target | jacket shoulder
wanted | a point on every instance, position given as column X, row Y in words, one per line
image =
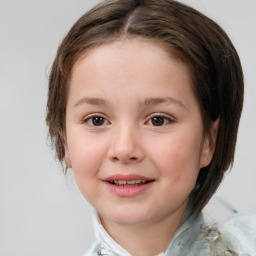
column 93, row 250
column 239, row 234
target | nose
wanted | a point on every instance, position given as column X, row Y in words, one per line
column 126, row 146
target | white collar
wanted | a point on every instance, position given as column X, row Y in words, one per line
column 107, row 246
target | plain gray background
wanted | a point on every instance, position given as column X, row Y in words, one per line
column 41, row 211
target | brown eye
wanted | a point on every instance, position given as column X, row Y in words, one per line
column 96, row 121
column 157, row 120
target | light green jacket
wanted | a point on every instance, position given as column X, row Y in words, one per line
column 236, row 236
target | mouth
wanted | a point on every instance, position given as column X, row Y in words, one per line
column 128, row 183
column 127, row 180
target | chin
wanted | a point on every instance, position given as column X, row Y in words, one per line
column 131, row 217
column 129, row 221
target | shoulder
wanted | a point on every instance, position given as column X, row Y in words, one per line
column 239, row 234
column 93, row 250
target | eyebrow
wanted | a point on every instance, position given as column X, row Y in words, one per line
column 147, row 102
column 156, row 101
column 92, row 101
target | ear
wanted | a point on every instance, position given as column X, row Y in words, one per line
column 209, row 144
column 67, row 155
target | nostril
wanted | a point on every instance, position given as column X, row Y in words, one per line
column 128, row 159
column 115, row 158
column 125, row 154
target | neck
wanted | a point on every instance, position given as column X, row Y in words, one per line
column 146, row 239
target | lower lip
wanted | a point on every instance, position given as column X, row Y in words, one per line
column 129, row 191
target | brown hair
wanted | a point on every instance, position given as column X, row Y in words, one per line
column 186, row 34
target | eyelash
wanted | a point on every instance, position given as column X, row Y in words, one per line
column 89, row 120
column 167, row 120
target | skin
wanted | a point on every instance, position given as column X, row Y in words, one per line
column 124, row 78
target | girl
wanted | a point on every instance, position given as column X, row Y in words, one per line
column 144, row 104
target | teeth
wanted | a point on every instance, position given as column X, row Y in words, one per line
column 128, row 182
column 131, row 182
column 120, row 182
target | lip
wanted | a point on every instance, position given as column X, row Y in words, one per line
column 127, row 177
column 130, row 191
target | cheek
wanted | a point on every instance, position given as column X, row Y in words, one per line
column 86, row 154
column 178, row 155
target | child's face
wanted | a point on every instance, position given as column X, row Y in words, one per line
column 132, row 116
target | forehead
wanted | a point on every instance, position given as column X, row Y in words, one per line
column 130, row 64
column 120, row 53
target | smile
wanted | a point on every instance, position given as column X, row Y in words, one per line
column 127, row 183
column 130, row 185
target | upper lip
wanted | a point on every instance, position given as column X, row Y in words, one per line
column 126, row 177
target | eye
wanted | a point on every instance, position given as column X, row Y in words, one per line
column 159, row 120
column 96, row 121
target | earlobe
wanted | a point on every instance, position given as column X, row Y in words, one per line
column 67, row 157
column 209, row 145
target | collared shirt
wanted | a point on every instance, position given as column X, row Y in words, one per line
column 236, row 236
